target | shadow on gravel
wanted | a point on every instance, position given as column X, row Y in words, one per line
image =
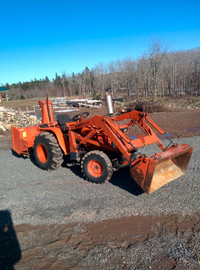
column 123, row 179
column 120, row 178
column 16, row 155
column 33, row 160
column 10, row 252
column 74, row 167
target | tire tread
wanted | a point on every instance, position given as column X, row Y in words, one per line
column 54, row 148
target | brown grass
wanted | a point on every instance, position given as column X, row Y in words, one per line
column 20, row 103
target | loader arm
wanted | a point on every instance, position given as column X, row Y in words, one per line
column 110, row 127
column 141, row 119
column 149, row 172
column 99, row 124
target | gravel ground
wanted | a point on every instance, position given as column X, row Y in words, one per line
column 147, row 255
column 57, row 220
column 34, row 196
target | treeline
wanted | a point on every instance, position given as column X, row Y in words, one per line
column 157, row 73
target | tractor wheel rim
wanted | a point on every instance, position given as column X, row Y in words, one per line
column 42, row 153
column 95, row 168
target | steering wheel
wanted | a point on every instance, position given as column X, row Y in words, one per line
column 80, row 116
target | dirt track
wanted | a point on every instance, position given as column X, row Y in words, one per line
column 167, row 242
column 59, row 221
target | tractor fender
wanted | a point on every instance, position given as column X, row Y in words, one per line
column 62, row 141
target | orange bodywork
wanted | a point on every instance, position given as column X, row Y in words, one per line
column 23, row 139
column 108, row 135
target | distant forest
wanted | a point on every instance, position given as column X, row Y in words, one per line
column 157, row 73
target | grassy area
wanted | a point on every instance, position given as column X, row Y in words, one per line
column 20, row 103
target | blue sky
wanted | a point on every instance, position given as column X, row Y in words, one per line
column 39, row 38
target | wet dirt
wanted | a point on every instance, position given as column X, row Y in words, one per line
column 180, row 124
column 141, row 242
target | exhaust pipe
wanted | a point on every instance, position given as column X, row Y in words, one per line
column 109, row 103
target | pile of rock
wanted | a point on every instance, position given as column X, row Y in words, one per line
column 10, row 117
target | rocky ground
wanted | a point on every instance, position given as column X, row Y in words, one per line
column 56, row 220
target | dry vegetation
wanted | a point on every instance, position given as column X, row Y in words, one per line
column 158, row 73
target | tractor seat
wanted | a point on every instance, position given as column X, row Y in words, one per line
column 62, row 119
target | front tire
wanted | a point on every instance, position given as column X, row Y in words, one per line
column 47, row 151
column 96, row 167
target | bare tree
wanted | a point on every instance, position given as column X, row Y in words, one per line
column 157, row 73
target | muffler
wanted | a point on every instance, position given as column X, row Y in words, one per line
column 156, row 171
column 109, row 103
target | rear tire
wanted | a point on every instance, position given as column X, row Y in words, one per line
column 47, row 151
column 96, row 167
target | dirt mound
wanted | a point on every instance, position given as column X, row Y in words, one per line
column 166, row 104
column 149, row 106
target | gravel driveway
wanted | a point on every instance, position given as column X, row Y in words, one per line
column 34, row 196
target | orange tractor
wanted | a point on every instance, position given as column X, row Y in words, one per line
column 100, row 144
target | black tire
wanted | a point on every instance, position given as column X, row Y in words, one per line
column 47, row 151
column 90, row 163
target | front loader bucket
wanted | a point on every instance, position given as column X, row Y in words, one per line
column 154, row 172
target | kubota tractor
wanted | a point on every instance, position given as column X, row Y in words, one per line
column 101, row 143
